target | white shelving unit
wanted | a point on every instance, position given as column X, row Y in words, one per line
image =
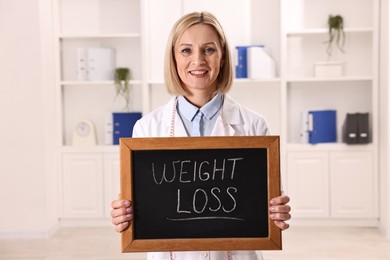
column 294, row 32
column 325, row 181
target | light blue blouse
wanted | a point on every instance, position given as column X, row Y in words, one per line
column 199, row 121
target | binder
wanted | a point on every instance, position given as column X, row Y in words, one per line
column 322, row 126
column 101, row 63
column 82, row 65
column 304, row 133
column 108, row 129
column 241, row 62
column 123, row 124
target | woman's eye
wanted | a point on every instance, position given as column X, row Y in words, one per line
column 186, row 51
column 209, row 50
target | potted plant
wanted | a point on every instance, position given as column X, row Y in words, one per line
column 336, row 36
column 336, row 33
column 123, row 122
column 122, row 85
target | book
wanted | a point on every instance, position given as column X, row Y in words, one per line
column 322, row 126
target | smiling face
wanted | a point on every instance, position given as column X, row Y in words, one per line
column 199, row 56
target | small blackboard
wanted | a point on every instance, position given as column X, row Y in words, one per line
column 200, row 193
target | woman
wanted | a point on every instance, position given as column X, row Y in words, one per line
column 198, row 72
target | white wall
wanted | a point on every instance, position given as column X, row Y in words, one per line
column 24, row 150
column 385, row 121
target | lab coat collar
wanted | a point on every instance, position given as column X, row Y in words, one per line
column 226, row 124
column 228, row 120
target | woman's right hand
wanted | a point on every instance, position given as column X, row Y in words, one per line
column 121, row 214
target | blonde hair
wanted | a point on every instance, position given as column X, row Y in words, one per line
column 172, row 79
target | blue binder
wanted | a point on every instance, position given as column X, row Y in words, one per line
column 123, row 124
column 322, row 126
column 241, row 63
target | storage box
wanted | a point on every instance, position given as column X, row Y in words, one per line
column 328, row 69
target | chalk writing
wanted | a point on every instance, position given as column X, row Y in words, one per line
column 211, row 200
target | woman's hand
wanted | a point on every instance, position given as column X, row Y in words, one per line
column 121, row 214
column 280, row 211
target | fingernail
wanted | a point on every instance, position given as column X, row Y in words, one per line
column 127, row 203
column 272, row 209
column 128, row 210
column 272, row 216
column 273, row 202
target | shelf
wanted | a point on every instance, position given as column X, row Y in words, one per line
column 339, row 79
column 328, row 147
column 94, row 83
column 246, row 81
column 235, row 81
column 90, row 149
column 100, row 36
column 305, row 32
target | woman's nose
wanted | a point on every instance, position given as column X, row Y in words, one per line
column 198, row 58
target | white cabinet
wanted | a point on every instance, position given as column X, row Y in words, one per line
column 111, row 180
column 353, row 185
column 90, row 183
column 332, row 185
column 308, row 184
column 82, row 186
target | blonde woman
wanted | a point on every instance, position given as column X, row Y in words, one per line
column 198, row 73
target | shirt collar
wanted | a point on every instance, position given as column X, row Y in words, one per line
column 188, row 110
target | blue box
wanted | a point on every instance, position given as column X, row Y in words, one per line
column 322, row 126
column 123, row 124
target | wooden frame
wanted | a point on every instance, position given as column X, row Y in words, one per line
column 271, row 143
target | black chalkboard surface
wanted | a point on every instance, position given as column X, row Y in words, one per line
column 200, row 193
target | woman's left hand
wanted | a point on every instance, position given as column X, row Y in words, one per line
column 279, row 211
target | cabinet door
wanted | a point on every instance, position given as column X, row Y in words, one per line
column 308, row 184
column 82, row 186
column 352, row 185
column 111, row 181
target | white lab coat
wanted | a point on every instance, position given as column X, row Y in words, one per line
column 234, row 120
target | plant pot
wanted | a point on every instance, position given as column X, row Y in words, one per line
column 328, row 69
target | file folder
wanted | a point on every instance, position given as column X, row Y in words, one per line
column 123, row 124
column 322, row 126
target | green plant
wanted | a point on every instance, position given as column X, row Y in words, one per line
column 122, row 85
column 336, row 33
